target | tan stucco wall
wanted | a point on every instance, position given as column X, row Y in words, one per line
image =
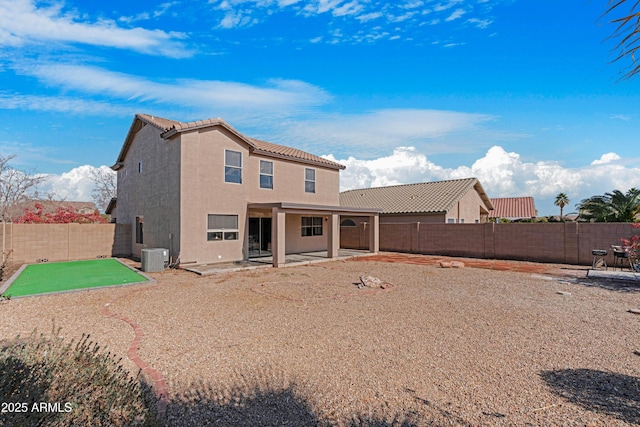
column 298, row 243
column 204, row 192
column 467, row 210
column 153, row 193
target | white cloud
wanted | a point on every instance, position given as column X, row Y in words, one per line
column 23, row 22
column 624, row 117
column 442, row 7
column 606, row 158
column 75, row 185
column 276, row 95
column 380, row 129
column 480, row 23
column 367, row 13
column 501, row 173
column 455, row 15
column 350, row 8
column 161, row 10
column 405, row 165
column 369, row 16
column 322, row 6
column 238, row 18
column 60, row 104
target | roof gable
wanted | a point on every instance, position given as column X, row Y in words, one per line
column 424, row 197
column 170, row 128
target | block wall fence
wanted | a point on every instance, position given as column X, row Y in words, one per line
column 564, row 243
column 29, row 243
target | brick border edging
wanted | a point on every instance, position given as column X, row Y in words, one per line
column 12, row 279
column 159, row 382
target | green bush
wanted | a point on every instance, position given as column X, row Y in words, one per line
column 47, row 382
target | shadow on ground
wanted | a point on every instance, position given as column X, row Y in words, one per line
column 609, row 393
column 610, row 284
column 206, row 405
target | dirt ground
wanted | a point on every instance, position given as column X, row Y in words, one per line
column 480, row 345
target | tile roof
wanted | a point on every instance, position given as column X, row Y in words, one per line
column 513, row 208
column 424, row 197
column 170, row 128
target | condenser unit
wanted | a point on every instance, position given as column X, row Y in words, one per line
column 154, row 260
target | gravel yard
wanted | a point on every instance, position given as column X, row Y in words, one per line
column 304, row 346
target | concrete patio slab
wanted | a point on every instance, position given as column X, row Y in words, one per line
column 267, row 261
column 615, row 275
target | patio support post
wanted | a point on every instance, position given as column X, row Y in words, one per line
column 333, row 238
column 278, row 247
column 374, row 234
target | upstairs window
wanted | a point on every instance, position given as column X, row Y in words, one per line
column 222, row 227
column 309, row 180
column 233, row 166
column 266, row 174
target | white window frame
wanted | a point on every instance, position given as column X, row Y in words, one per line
column 227, row 166
column 309, row 181
column 266, row 174
column 219, row 234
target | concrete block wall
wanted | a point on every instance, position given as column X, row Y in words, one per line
column 451, row 239
column 29, row 243
column 396, row 237
column 565, row 243
column 354, row 237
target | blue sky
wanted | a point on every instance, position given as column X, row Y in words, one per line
column 521, row 94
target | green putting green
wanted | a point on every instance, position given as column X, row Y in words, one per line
column 66, row 276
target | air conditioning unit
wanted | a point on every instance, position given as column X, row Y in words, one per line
column 154, row 260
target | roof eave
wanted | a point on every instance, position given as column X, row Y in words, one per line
column 267, row 153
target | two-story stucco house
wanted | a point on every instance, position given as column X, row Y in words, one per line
column 211, row 194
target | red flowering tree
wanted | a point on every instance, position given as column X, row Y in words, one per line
column 62, row 215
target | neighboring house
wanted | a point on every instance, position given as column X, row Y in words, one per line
column 454, row 201
column 513, row 208
column 210, row 194
column 50, row 206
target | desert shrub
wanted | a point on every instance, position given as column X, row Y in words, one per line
column 50, row 382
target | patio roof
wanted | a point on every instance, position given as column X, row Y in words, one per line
column 319, row 209
column 281, row 209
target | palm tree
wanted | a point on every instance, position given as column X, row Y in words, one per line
column 561, row 200
column 612, row 207
column 628, row 31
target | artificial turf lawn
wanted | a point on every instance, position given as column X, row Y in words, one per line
column 65, row 276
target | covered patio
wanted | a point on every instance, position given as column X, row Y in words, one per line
column 319, row 224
